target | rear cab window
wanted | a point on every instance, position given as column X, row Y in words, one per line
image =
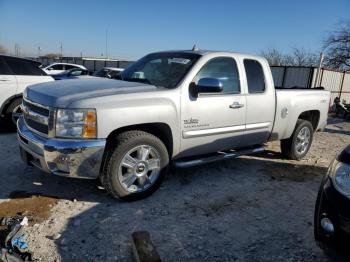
column 255, row 76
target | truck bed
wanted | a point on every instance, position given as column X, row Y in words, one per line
column 291, row 103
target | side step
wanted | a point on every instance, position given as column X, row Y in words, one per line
column 221, row 155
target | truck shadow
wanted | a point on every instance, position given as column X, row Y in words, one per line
column 225, row 208
column 208, row 195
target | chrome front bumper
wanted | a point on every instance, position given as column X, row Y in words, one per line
column 63, row 157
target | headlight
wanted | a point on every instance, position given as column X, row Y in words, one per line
column 76, row 123
column 340, row 174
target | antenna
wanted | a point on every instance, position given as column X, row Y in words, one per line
column 194, row 48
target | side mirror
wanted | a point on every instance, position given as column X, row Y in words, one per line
column 206, row 85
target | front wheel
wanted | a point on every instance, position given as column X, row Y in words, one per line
column 136, row 165
column 13, row 112
column 297, row 146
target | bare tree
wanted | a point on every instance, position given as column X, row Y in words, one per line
column 3, row 50
column 337, row 45
column 301, row 57
column 51, row 55
column 273, row 56
column 297, row 57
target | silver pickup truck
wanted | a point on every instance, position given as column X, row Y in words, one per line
column 188, row 107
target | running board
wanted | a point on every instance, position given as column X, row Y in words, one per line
column 222, row 155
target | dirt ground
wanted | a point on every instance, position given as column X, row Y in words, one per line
column 255, row 208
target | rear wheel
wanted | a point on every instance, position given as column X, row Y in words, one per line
column 297, row 146
column 136, row 165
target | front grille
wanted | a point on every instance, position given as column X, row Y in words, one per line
column 36, row 109
column 37, row 126
column 36, row 117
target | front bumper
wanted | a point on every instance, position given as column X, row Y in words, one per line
column 63, row 157
column 334, row 207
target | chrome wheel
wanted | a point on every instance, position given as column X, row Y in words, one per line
column 303, row 140
column 16, row 113
column 139, row 168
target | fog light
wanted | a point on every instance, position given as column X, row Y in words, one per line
column 327, row 225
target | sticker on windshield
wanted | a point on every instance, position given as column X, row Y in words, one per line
column 179, row 60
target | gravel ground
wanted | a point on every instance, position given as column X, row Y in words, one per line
column 255, row 208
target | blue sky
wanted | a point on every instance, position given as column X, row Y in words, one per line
column 138, row 27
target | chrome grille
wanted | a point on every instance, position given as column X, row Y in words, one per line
column 36, row 116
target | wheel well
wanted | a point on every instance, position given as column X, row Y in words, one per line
column 160, row 130
column 7, row 103
column 313, row 116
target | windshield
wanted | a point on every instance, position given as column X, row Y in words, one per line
column 160, row 69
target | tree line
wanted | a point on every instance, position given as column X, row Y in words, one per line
column 335, row 46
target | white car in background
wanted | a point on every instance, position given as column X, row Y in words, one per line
column 15, row 75
column 58, row 68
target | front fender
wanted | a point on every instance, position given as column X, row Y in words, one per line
column 142, row 111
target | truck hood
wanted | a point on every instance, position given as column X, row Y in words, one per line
column 64, row 92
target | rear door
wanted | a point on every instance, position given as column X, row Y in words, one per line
column 260, row 101
column 8, row 83
column 215, row 121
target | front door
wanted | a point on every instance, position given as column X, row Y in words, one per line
column 215, row 121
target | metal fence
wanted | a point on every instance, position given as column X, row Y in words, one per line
column 337, row 82
column 92, row 64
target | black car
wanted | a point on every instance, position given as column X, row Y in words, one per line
column 332, row 211
column 72, row 74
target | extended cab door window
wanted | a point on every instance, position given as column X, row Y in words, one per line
column 223, row 69
column 255, row 76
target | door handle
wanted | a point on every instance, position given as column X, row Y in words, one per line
column 4, row 80
column 236, row 105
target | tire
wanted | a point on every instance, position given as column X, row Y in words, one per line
column 11, row 110
column 290, row 147
column 148, row 168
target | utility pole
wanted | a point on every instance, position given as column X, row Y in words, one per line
column 61, row 48
column 39, row 51
column 17, row 50
column 319, row 68
column 106, row 44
